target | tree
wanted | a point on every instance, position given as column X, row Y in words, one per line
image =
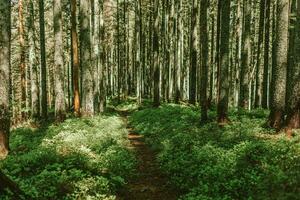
column 193, row 49
column 266, row 55
column 22, row 59
column 293, row 94
column 60, row 107
column 279, row 70
column 34, row 83
column 259, row 73
column 43, row 61
column 85, row 56
column 246, row 57
column 5, row 89
column 204, row 59
column 75, row 59
column 156, row 78
column 223, row 79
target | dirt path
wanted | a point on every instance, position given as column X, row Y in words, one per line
column 149, row 183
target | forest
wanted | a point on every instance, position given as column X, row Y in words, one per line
column 150, row 99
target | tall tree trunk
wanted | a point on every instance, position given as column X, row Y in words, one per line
column 60, row 107
column 293, row 81
column 22, row 60
column 5, row 87
column 204, row 58
column 75, row 59
column 265, row 83
column 156, row 78
column 246, row 56
column 259, row 70
column 223, row 79
column 86, row 65
column 279, row 71
column 35, row 92
column 193, row 48
column 43, row 62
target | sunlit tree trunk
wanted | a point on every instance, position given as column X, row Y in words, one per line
column 75, row 59
column 85, row 59
column 35, row 94
column 60, row 106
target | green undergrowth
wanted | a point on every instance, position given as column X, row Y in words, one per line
column 79, row 159
column 242, row 160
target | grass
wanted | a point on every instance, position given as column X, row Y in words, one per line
column 242, row 160
column 78, row 159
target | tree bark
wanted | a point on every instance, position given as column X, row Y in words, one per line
column 193, row 49
column 43, row 62
column 5, row 87
column 265, row 83
column 223, row 79
column 246, row 57
column 75, row 59
column 156, row 78
column 204, row 59
column 60, row 107
column 86, row 65
column 22, row 65
column 35, row 89
column 279, row 70
column 293, row 82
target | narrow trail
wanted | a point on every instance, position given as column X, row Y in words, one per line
column 148, row 183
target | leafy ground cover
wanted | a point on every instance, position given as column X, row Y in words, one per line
column 79, row 159
column 242, row 160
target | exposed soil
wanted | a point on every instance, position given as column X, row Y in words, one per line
column 148, row 183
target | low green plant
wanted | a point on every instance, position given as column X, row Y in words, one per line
column 83, row 158
column 242, row 160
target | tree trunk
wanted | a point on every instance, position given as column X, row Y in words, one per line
column 259, row 72
column 265, row 83
column 35, row 92
column 43, row 61
column 22, row 60
column 246, row 57
column 279, row 71
column 156, row 78
column 193, row 48
column 223, row 79
column 204, row 58
column 5, row 87
column 293, row 82
column 86, row 65
column 75, row 59
column 60, row 107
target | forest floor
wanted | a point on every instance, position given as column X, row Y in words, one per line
column 148, row 183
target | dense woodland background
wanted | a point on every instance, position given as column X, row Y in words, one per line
column 68, row 58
